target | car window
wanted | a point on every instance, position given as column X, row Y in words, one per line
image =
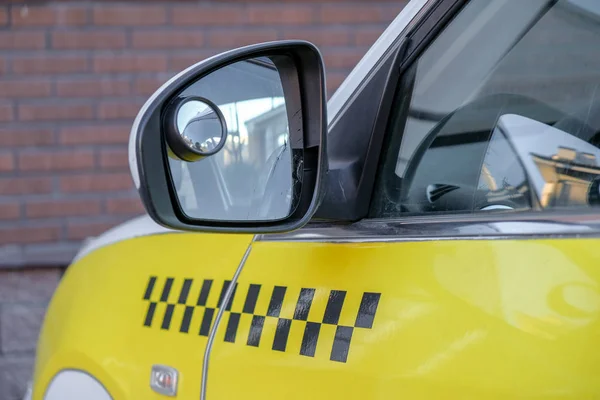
column 500, row 112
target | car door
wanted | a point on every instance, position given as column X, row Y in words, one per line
column 476, row 273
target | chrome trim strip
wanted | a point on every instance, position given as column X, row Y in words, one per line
column 457, row 227
column 215, row 327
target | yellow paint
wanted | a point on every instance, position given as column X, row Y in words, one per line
column 95, row 320
column 456, row 319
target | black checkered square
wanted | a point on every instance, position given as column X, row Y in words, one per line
column 189, row 309
column 343, row 335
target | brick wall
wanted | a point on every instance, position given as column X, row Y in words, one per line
column 73, row 75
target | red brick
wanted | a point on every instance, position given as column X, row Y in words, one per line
column 110, row 15
column 124, row 206
column 180, row 62
column 52, row 15
column 3, row 16
column 78, row 40
column 320, row 37
column 24, row 88
column 56, row 161
column 25, row 235
column 180, row 39
column 62, row 208
column 131, row 63
column 22, row 40
column 10, row 211
column 310, row 1
column 118, row 110
column 147, row 86
column 98, row 87
column 237, row 38
column 350, row 13
column 55, row 112
column 280, row 15
column 25, row 137
column 80, row 231
column 106, row 182
column 208, row 15
column 390, row 11
column 7, row 112
column 102, row 134
column 21, row 185
column 334, row 80
column 343, row 58
column 49, row 64
column 367, row 36
column 7, row 162
column 114, row 158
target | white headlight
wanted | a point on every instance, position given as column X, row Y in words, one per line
column 75, row 385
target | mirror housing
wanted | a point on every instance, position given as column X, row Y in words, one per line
column 157, row 145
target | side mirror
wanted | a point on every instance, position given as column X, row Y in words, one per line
column 235, row 143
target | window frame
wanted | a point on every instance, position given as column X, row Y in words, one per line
column 498, row 225
column 353, row 169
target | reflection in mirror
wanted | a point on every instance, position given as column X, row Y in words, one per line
column 252, row 177
column 194, row 128
column 200, row 126
column 555, row 168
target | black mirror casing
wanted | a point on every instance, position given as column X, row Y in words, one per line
column 302, row 73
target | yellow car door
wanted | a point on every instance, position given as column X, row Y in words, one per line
column 386, row 319
column 134, row 304
column 475, row 274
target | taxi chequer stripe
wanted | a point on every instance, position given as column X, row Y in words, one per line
column 365, row 316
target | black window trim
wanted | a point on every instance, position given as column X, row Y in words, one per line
column 351, row 179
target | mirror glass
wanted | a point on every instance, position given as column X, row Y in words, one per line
column 253, row 177
column 199, row 126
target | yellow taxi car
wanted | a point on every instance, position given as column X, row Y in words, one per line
column 428, row 233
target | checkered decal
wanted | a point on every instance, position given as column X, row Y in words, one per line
column 365, row 315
